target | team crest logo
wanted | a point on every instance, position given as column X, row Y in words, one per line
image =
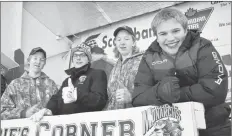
column 162, row 121
column 82, row 79
column 198, row 18
column 167, row 127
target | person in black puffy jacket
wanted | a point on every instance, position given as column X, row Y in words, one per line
column 181, row 66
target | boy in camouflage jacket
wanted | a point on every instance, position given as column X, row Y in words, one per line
column 29, row 93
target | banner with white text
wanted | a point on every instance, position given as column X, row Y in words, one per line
column 182, row 119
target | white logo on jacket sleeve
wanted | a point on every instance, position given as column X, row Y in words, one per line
column 220, row 68
column 159, row 62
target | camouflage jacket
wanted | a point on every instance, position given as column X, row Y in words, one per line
column 125, row 73
column 24, row 92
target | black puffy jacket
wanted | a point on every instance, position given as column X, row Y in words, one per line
column 202, row 74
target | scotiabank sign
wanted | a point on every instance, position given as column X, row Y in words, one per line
column 104, row 40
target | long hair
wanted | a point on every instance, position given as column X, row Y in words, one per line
column 135, row 49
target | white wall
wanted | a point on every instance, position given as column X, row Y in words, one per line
column 55, row 67
column 11, row 24
column 35, row 34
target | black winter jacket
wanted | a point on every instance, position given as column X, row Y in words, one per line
column 198, row 66
column 91, row 92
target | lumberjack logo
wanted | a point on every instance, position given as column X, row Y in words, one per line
column 198, row 18
column 162, row 121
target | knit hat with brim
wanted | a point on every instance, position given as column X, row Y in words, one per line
column 83, row 48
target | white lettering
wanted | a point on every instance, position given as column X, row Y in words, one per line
column 220, row 68
column 193, row 26
column 196, row 20
column 159, row 62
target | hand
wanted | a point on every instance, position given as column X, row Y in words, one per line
column 169, row 89
column 123, row 95
column 40, row 114
column 30, row 111
column 69, row 94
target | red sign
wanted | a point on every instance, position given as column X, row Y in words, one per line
column 198, row 18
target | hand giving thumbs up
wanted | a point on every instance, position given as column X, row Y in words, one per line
column 69, row 93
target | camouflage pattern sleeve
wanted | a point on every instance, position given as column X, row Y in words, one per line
column 51, row 90
column 54, row 88
column 9, row 109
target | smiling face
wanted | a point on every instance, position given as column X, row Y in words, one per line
column 124, row 43
column 79, row 59
column 170, row 36
column 37, row 62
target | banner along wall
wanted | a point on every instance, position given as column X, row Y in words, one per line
column 141, row 121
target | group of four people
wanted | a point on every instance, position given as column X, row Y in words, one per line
column 179, row 66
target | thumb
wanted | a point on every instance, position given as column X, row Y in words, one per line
column 121, row 85
column 75, row 93
column 70, row 83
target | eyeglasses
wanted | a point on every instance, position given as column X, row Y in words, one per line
column 82, row 55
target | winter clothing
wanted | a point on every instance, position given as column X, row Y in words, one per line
column 83, row 48
column 38, row 49
column 3, row 84
column 168, row 90
column 24, row 92
column 126, row 28
column 125, row 73
column 201, row 73
column 91, row 87
column 102, row 65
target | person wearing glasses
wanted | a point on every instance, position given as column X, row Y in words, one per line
column 29, row 93
column 85, row 90
column 182, row 66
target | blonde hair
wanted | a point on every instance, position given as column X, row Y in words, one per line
column 166, row 14
column 135, row 49
column 27, row 64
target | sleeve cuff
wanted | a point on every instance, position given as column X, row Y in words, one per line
column 23, row 113
column 183, row 94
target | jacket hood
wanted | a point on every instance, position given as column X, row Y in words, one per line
column 26, row 76
column 187, row 43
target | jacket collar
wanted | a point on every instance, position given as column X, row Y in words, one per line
column 132, row 56
column 76, row 72
column 187, row 43
column 26, row 75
